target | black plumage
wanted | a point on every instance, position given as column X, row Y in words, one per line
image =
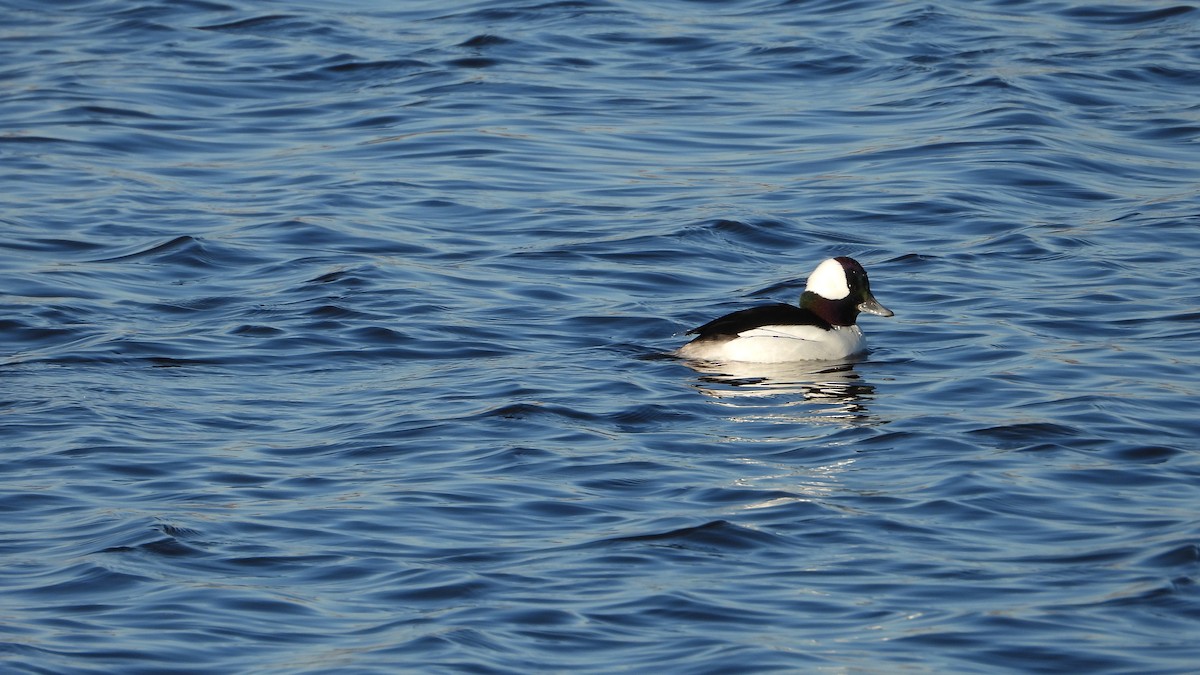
column 774, row 314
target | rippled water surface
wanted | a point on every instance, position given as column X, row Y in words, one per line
column 336, row 336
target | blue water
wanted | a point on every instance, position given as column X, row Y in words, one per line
column 335, row 336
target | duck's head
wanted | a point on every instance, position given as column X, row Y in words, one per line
column 838, row 290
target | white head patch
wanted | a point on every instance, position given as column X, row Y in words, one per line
column 829, row 281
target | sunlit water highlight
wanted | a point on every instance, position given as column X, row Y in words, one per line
column 336, row 337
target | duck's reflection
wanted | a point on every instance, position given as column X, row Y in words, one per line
column 801, row 391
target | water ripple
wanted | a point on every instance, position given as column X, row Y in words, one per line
column 339, row 340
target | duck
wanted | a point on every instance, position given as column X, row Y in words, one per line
column 822, row 328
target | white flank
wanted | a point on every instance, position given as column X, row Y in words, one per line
column 828, row 281
column 779, row 344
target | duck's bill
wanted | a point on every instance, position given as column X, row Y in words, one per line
column 872, row 306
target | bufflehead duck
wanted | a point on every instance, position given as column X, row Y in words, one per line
column 821, row 328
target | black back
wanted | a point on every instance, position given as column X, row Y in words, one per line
column 775, row 314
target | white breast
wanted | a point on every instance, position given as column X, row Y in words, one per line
column 778, row 344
